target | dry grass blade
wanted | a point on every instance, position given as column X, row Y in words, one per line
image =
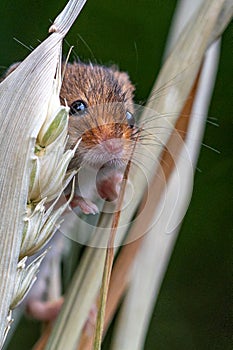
column 109, row 263
column 24, row 99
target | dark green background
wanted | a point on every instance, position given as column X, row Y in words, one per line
column 194, row 310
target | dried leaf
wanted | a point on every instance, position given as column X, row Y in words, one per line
column 24, row 102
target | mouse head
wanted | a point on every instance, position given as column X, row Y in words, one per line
column 101, row 113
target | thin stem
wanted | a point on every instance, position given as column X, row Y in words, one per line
column 109, row 262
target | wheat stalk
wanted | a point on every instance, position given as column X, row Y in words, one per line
column 33, row 133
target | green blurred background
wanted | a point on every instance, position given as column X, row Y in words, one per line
column 194, row 310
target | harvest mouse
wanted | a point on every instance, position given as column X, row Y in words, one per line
column 101, row 114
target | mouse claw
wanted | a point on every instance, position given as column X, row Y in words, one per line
column 85, row 205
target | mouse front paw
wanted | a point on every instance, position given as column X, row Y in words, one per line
column 86, row 206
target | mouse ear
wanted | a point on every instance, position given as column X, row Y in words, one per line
column 125, row 83
column 124, row 80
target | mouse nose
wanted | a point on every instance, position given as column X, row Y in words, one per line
column 113, row 146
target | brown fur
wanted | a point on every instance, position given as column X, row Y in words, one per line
column 108, row 95
column 95, row 85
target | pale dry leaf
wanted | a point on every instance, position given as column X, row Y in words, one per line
column 24, row 101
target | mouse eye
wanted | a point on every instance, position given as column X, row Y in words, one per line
column 78, row 108
column 130, row 119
